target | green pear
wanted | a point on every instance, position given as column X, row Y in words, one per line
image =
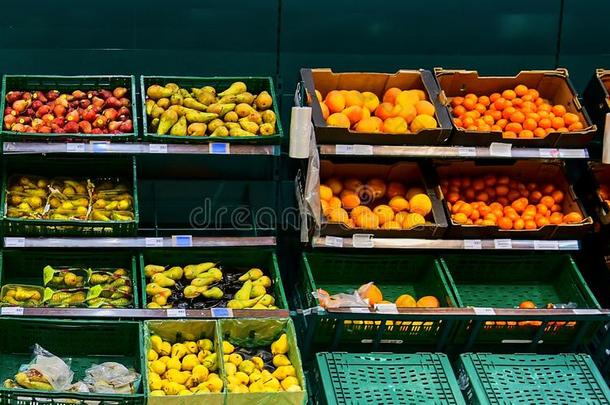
column 220, row 131
column 179, row 128
column 220, row 109
column 245, row 97
column 240, row 132
column 196, row 129
column 156, row 111
column 199, row 116
column 235, row 88
column 156, row 92
column 150, row 103
column 176, row 99
column 215, row 123
column 248, row 125
column 173, row 87
column 204, row 97
column 190, row 102
column 154, row 124
column 167, row 120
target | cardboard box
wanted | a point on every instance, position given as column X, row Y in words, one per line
column 598, row 174
column 407, row 173
column 525, row 171
column 596, row 97
column 553, row 85
column 324, row 80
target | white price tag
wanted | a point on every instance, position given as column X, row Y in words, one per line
column 569, row 245
column 11, row 311
column 344, row 149
column 176, row 313
column 484, row 311
column 100, row 146
column 157, row 148
column 386, row 308
column 75, row 147
column 222, row 312
column 503, row 243
column 473, row 244
column 363, row 240
column 467, row 151
column 333, row 241
column 586, row 311
column 153, row 242
column 360, row 310
column 573, row 153
column 14, row 242
column 217, row 148
column 548, row 153
column 182, row 240
column 546, row 245
column 500, row 149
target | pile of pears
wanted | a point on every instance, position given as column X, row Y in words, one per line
column 34, row 197
column 260, row 371
column 206, row 285
column 234, row 112
column 184, row 368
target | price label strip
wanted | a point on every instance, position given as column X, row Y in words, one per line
column 546, row 245
column 333, row 241
column 473, row 244
column 222, row 312
column 354, row 149
column 75, row 147
column 360, row 310
column 573, row 153
column 467, row 151
column 157, row 148
column 548, row 153
column 484, row 311
column 182, row 240
column 386, row 308
column 500, row 149
column 14, row 242
column 364, row 240
column 11, row 311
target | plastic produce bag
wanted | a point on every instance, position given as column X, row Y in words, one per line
column 45, row 372
column 111, row 378
column 339, row 300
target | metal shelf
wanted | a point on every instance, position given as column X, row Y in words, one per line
column 138, row 242
column 212, row 148
column 367, row 241
column 143, row 313
column 498, row 150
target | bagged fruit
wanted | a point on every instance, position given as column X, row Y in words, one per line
column 65, row 278
column 114, row 297
column 111, row 378
column 21, row 295
column 46, row 372
column 75, row 297
column 106, row 215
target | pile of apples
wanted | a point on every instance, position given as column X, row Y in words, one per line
column 91, row 112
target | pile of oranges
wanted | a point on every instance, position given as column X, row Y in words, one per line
column 374, row 204
column 604, row 193
column 400, row 112
column 504, row 202
column 518, row 113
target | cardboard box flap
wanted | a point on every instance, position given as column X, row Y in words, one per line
column 407, row 173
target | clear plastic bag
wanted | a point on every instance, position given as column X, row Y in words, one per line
column 111, row 378
column 339, row 300
column 53, row 369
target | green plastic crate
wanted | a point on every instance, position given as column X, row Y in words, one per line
column 260, row 333
column 532, row 379
column 504, row 281
column 85, row 342
column 263, row 258
column 386, row 378
column 107, row 167
column 180, row 330
column 68, row 83
column 19, row 268
column 417, row 275
column 254, row 84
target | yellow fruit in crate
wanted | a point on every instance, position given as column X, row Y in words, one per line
column 422, row 121
column 414, row 191
column 174, row 364
column 420, row 204
column 164, row 359
column 258, row 362
column 428, row 301
column 157, row 393
column 155, row 343
column 152, row 355
column 281, row 360
column 413, row 220
column 227, row 347
column 326, row 193
column 384, row 213
column 200, row 373
column 205, row 344
column 284, row 371
column 236, row 358
column 191, row 347
column 406, row 301
column 242, row 377
column 335, row 185
column 246, row 366
column 230, row 368
column 189, row 362
column 280, row 346
column 157, row 366
column 289, row 381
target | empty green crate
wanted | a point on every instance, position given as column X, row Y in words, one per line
column 85, row 342
column 504, row 281
column 386, row 378
column 531, row 379
column 254, row 84
column 68, row 84
column 19, row 268
column 245, row 258
column 92, row 168
column 416, row 275
column 260, row 333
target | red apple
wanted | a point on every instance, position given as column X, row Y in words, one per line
column 36, row 104
column 84, row 103
column 39, row 95
column 98, row 102
column 85, row 127
column 100, row 122
column 111, row 113
column 73, row 116
column 44, row 109
column 125, row 102
column 44, row 129
column 48, row 118
column 119, row 92
column 26, row 95
column 79, row 94
column 30, row 112
column 9, row 121
column 62, row 101
column 91, row 94
column 114, row 125
column 90, row 115
column 96, row 131
column 13, row 96
column 59, row 121
column 74, row 104
column 52, row 95
column 105, row 94
column 24, row 120
column 113, row 102
column 59, row 130
column 28, row 128
column 126, row 126
column 71, row 127
column 18, row 127
column 59, row 110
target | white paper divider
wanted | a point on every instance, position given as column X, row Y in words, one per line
column 573, row 153
column 548, row 153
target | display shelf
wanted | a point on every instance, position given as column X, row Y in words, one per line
column 367, row 241
column 497, row 150
column 178, row 241
column 96, row 147
column 144, row 313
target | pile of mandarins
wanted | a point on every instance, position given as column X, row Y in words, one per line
column 604, row 193
column 518, row 113
column 505, row 202
column 374, row 204
column 401, row 111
